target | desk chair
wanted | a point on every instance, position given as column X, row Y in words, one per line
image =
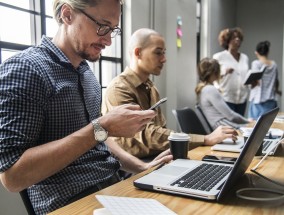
column 188, row 121
column 203, row 119
column 25, row 197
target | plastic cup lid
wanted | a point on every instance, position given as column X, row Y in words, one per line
column 178, row 136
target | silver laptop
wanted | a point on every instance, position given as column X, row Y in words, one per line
column 268, row 143
column 206, row 180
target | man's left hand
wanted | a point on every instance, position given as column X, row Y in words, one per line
column 163, row 157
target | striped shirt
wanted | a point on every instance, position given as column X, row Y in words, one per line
column 44, row 98
column 266, row 90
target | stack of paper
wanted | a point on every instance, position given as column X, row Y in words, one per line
column 138, row 206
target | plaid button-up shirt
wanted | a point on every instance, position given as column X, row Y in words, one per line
column 44, row 98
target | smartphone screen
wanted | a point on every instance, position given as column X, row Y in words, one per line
column 219, row 159
column 158, row 103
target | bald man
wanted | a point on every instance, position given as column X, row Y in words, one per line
column 147, row 57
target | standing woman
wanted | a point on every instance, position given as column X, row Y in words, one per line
column 263, row 92
column 234, row 66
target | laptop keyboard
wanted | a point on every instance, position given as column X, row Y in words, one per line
column 203, row 177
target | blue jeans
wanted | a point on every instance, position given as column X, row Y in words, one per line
column 238, row 108
column 256, row 110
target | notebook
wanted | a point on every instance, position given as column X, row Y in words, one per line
column 229, row 146
column 253, row 75
column 186, row 177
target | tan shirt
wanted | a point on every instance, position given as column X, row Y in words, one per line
column 128, row 88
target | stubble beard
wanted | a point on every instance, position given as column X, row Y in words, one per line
column 82, row 53
column 88, row 57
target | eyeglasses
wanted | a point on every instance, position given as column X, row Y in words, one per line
column 103, row 29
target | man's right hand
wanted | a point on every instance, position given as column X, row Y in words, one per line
column 126, row 120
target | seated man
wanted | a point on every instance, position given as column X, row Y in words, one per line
column 52, row 135
column 147, row 57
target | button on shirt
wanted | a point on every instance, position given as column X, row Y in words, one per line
column 44, row 98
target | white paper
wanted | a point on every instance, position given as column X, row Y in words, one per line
column 133, row 206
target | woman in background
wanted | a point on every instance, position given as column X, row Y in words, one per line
column 263, row 92
column 234, row 67
column 210, row 99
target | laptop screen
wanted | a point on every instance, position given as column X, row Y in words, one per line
column 251, row 146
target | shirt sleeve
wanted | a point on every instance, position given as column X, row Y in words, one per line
column 196, row 140
column 21, row 109
column 216, row 99
column 256, row 65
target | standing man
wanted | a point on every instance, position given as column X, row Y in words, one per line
column 52, row 135
column 147, row 57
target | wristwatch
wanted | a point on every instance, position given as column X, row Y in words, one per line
column 100, row 133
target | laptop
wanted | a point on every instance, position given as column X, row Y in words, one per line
column 269, row 142
column 186, row 177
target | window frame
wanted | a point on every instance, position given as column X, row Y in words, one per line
column 38, row 15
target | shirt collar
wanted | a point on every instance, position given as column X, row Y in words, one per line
column 47, row 43
column 133, row 78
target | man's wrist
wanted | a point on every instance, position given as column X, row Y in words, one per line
column 206, row 140
column 99, row 132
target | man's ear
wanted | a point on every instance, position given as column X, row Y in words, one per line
column 137, row 52
column 66, row 14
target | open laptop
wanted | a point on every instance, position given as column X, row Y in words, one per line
column 269, row 142
column 186, row 177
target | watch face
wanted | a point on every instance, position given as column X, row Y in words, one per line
column 101, row 135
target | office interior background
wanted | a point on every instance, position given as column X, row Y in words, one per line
column 202, row 21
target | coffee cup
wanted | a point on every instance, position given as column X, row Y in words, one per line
column 179, row 145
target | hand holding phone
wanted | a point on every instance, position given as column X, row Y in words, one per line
column 158, row 103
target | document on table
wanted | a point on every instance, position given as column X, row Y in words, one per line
column 138, row 206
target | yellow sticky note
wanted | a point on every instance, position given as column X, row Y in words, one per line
column 178, row 42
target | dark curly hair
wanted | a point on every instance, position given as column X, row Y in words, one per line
column 228, row 34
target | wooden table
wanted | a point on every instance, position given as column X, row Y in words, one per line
column 272, row 167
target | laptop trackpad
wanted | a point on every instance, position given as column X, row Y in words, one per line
column 171, row 170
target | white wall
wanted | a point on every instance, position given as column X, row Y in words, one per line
column 216, row 15
column 178, row 78
column 260, row 20
column 11, row 203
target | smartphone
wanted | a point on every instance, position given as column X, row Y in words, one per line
column 219, row 159
column 158, row 103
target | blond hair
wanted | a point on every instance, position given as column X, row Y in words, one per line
column 75, row 4
column 206, row 68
